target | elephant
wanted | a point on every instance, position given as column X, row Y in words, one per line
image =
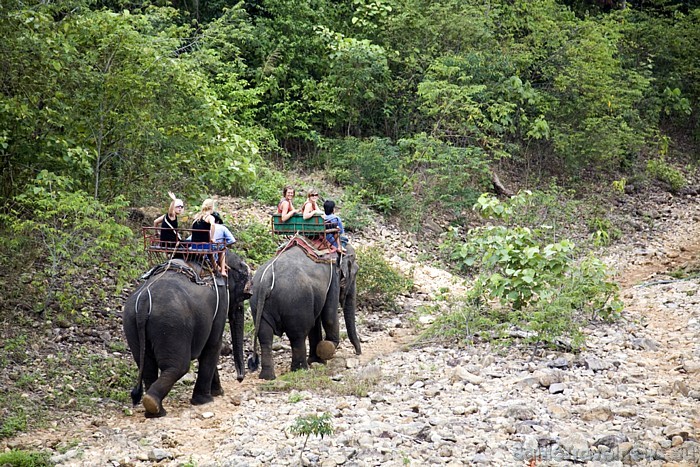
column 297, row 296
column 171, row 320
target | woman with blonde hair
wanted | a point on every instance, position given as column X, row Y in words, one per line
column 166, row 224
column 203, row 231
column 310, row 207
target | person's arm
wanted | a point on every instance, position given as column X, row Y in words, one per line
column 287, row 211
column 212, row 227
column 228, row 236
column 341, row 230
column 308, row 211
column 156, row 223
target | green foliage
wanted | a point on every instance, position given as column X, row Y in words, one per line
column 313, row 425
column 114, row 102
column 519, row 269
column 464, row 321
column 355, row 214
column 254, row 242
column 378, row 282
column 13, row 350
column 20, row 458
column 603, row 231
column 14, row 421
column 374, row 168
column 318, row 378
column 666, row 173
column 446, row 177
column 267, row 187
column 58, row 234
column 619, row 185
column 81, row 378
column 540, row 287
column 662, row 43
column 356, row 82
column 308, row 425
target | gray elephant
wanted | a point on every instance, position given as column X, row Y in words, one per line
column 297, row 296
column 172, row 319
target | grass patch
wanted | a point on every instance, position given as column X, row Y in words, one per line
column 321, row 378
column 79, row 379
column 18, row 458
column 689, row 271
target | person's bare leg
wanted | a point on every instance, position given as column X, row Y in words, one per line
column 222, row 263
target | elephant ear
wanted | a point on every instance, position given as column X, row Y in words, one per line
column 239, row 275
column 348, row 269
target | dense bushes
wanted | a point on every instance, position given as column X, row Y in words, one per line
column 525, row 284
column 58, row 240
column 378, row 283
column 410, row 103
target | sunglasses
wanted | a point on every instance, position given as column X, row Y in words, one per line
column 313, row 194
column 179, row 207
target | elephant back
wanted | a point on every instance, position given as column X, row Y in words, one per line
column 315, row 252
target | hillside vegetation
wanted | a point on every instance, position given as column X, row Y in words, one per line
column 410, row 109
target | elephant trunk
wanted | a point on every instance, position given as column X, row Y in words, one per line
column 349, row 309
column 236, row 321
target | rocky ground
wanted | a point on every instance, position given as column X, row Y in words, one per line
column 631, row 397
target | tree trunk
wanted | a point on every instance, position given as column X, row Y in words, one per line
column 501, row 190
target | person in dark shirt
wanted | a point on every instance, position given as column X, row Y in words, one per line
column 167, row 223
column 204, row 231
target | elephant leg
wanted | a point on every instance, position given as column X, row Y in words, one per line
column 265, row 336
column 153, row 400
column 150, row 369
column 216, row 389
column 331, row 323
column 298, row 353
column 205, row 375
column 315, row 336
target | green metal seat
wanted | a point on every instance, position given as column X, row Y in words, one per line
column 298, row 225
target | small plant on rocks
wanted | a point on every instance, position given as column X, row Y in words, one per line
column 307, row 425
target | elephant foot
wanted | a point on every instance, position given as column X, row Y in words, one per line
column 315, row 359
column 153, row 408
column 201, row 399
column 217, row 392
column 267, row 374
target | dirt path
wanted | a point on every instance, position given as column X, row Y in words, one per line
column 202, row 429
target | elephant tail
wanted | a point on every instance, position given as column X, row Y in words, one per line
column 141, row 318
column 262, row 292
